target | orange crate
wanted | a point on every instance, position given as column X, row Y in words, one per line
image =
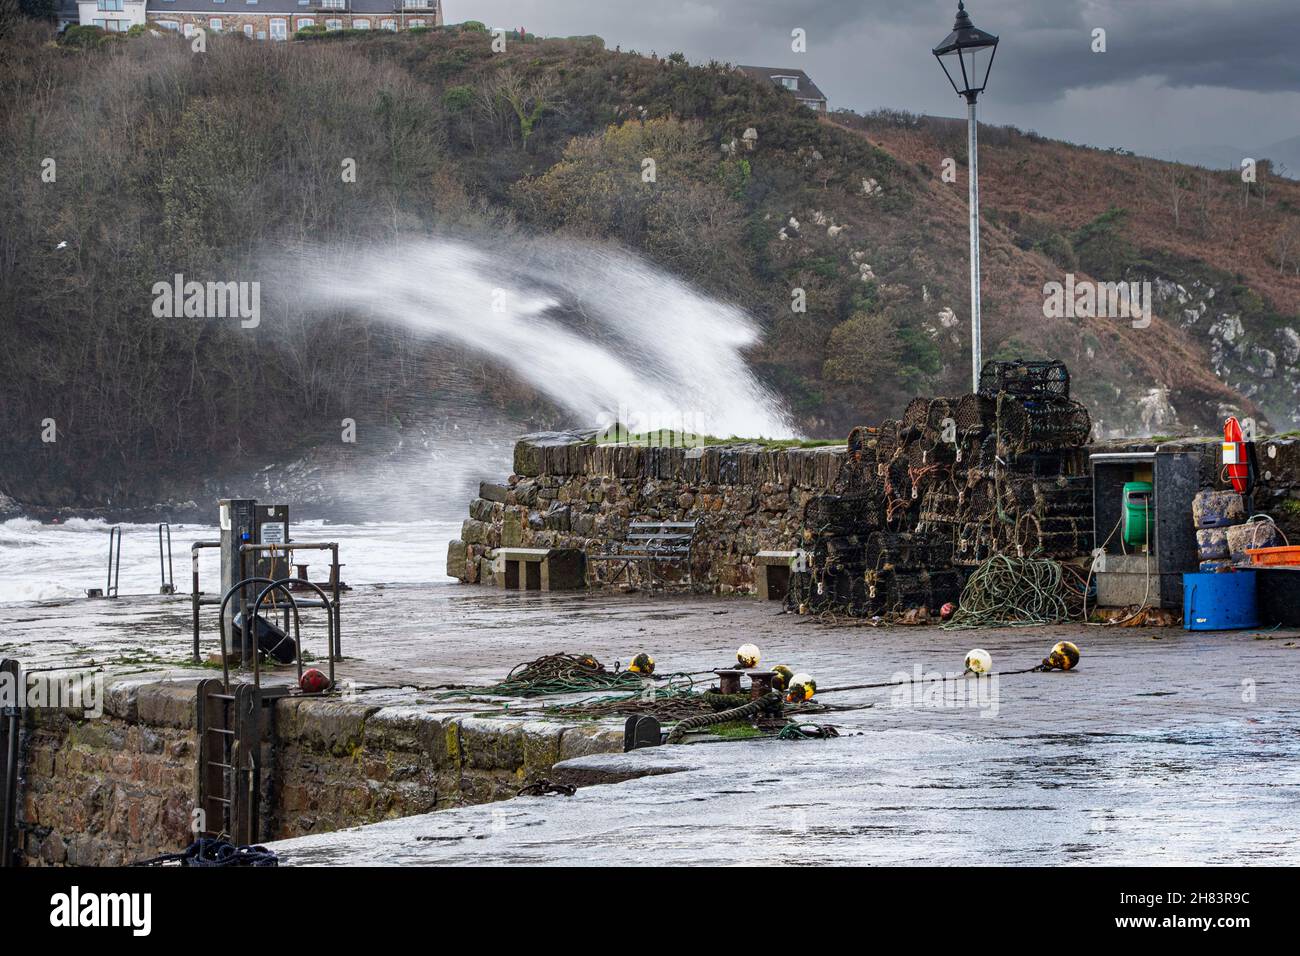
column 1287, row 555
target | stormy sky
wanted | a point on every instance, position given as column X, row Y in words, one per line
column 1197, row 80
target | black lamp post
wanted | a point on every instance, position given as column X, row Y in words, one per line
column 966, row 56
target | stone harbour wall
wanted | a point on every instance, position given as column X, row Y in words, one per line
column 567, row 492
column 106, row 790
column 116, row 788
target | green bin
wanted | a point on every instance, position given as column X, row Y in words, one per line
column 1137, row 508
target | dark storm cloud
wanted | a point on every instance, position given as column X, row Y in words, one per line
column 1175, row 71
column 1186, row 43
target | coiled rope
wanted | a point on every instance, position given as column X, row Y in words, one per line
column 559, row 674
column 752, row 709
column 1008, row 591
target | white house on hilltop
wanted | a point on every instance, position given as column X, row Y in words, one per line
column 796, row 81
column 259, row 19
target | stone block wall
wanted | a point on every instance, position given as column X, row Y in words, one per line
column 108, row 790
column 568, row 492
column 341, row 764
column 113, row 789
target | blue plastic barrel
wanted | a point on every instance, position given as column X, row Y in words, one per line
column 1219, row 602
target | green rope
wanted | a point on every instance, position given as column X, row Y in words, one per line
column 558, row 674
column 1007, row 591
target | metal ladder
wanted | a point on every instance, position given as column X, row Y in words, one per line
column 233, row 722
column 236, row 720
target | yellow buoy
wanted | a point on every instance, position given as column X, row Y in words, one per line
column 781, row 677
column 802, row 688
column 1064, row 657
column 642, row 664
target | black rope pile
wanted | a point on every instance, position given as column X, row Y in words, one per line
column 798, row 731
column 555, row 674
column 542, row 787
column 211, row 851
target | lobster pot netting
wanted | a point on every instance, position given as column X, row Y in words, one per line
column 1040, row 424
column 1025, row 379
column 842, row 514
column 911, row 550
column 862, row 444
column 953, row 482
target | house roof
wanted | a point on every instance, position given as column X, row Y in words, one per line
column 807, row 88
column 303, row 7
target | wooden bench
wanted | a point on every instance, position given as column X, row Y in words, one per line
column 651, row 543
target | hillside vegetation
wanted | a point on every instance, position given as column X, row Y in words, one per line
column 174, row 162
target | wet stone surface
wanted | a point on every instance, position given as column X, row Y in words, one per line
column 1165, row 746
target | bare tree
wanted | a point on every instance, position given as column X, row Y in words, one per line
column 526, row 99
column 1175, row 185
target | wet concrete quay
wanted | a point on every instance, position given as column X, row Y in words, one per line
column 1165, row 746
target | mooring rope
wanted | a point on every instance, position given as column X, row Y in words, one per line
column 562, row 674
column 752, row 709
column 210, row 851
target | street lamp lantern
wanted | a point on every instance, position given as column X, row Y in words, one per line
column 966, row 56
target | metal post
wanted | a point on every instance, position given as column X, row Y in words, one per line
column 194, row 598
column 972, row 164
column 12, row 717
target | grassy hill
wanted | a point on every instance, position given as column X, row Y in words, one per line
column 174, row 162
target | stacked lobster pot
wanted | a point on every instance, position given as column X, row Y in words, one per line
column 956, row 480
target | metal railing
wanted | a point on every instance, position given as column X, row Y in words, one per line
column 165, row 571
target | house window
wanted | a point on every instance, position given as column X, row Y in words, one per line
column 189, row 29
column 789, row 82
column 332, row 4
column 416, row 23
column 416, row 4
column 248, row 30
column 279, row 28
column 388, row 24
column 333, row 24
column 304, row 22
column 169, row 24
column 113, row 26
column 109, row 5
column 362, row 24
column 214, row 24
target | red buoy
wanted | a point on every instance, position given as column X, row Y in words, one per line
column 313, row 681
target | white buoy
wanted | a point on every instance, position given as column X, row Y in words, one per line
column 748, row 655
column 979, row 661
